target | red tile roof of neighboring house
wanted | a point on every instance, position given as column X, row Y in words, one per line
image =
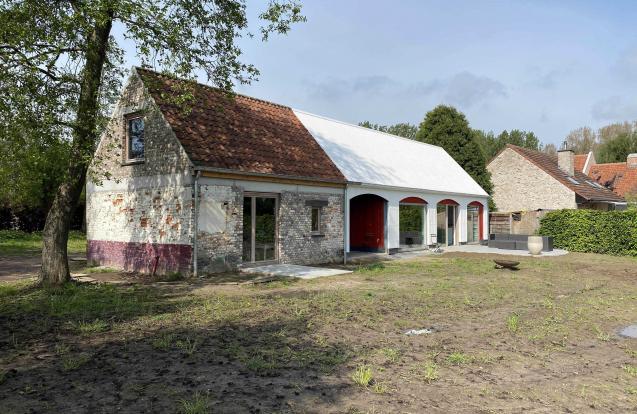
column 616, row 176
column 581, row 186
column 580, row 162
column 240, row 134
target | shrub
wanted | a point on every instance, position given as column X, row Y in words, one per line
column 606, row 232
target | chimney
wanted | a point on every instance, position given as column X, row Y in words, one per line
column 566, row 160
column 631, row 161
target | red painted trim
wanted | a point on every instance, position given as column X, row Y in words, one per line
column 140, row 257
column 448, row 201
column 480, row 218
column 413, row 200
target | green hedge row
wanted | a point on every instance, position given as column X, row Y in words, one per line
column 607, row 232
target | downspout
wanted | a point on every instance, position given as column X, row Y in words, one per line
column 195, row 250
column 345, row 215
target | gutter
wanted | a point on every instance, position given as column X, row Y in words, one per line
column 195, row 253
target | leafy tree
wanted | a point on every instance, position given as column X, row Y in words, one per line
column 491, row 145
column 618, row 148
column 445, row 126
column 582, row 140
column 60, row 64
column 612, row 131
column 550, row 149
column 402, row 129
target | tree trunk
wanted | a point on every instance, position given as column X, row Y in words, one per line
column 55, row 265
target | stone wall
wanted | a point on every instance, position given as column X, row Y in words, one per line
column 220, row 233
column 519, row 185
column 297, row 244
column 140, row 214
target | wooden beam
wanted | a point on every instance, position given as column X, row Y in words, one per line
column 278, row 180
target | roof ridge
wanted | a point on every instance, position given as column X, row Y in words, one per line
column 212, row 87
column 365, row 128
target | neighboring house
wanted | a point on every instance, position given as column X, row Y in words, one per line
column 527, row 180
column 584, row 162
column 233, row 182
column 620, row 177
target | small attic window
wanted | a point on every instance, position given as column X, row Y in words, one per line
column 135, row 138
column 573, row 180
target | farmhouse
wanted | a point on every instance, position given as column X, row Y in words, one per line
column 219, row 182
column 528, row 180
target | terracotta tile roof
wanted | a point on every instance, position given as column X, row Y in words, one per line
column 580, row 161
column 616, row 176
column 244, row 135
column 581, row 187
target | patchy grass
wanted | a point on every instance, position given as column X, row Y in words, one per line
column 501, row 341
column 19, row 243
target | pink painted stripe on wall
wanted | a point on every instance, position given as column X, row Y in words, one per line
column 140, row 257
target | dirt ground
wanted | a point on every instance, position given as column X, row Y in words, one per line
column 540, row 339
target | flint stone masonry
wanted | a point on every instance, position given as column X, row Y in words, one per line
column 519, row 185
column 297, row 244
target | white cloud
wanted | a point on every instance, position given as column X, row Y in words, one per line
column 614, row 108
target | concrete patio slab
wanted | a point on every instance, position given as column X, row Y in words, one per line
column 288, row 270
column 476, row 248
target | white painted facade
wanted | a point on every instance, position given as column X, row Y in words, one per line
column 395, row 195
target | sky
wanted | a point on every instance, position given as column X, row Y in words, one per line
column 542, row 66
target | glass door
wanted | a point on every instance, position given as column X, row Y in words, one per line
column 259, row 228
column 441, row 228
column 451, row 225
column 472, row 224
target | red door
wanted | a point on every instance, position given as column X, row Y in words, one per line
column 367, row 223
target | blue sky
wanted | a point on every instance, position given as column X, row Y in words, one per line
column 543, row 66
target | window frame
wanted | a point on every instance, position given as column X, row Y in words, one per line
column 127, row 138
column 318, row 220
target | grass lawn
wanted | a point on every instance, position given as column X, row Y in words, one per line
column 542, row 339
column 18, row 243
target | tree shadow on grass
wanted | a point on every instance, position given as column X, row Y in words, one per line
column 271, row 363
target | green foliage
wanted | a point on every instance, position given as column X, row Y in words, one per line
column 445, row 126
column 606, row 232
column 403, row 129
column 618, row 148
column 491, row 145
column 410, row 218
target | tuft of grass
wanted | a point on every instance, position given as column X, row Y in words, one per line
column 198, row 404
column 362, row 376
column 71, row 363
column 100, row 269
column 601, row 335
column 62, row 349
column 3, row 376
column 391, row 354
column 96, row 326
column 630, row 370
column 188, row 345
column 513, row 322
column 379, row 388
column 261, row 365
column 164, row 342
column 430, row 372
column 458, row 358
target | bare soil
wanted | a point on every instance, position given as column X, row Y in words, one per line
column 540, row 339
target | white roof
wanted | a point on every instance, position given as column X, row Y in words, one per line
column 368, row 156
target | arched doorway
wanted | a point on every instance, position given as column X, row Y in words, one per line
column 475, row 211
column 367, row 223
column 447, row 220
column 411, row 222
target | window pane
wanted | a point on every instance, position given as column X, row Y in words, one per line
column 315, row 219
column 135, row 138
column 247, row 229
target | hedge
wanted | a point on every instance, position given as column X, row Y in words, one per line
column 606, row 232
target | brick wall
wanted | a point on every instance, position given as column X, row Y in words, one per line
column 138, row 212
column 518, row 185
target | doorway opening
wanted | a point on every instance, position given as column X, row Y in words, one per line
column 367, row 223
column 411, row 223
column 474, row 222
column 447, row 211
